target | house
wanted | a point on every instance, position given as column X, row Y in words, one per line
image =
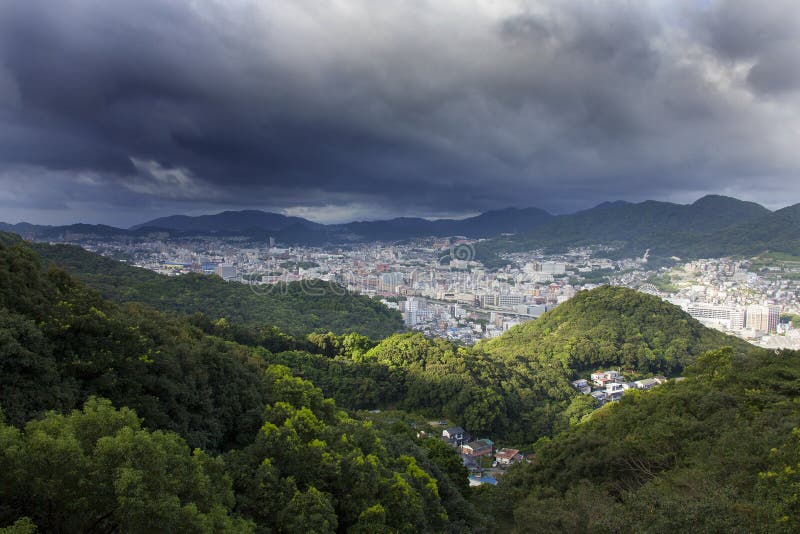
column 614, row 391
column 480, row 447
column 601, row 378
column 647, row 383
column 582, row 385
column 599, row 396
column 507, row 456
column 455, row 435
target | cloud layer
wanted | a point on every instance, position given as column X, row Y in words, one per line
column 116, row 111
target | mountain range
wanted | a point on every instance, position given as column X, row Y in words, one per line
column 297, row 230
column 712, row 226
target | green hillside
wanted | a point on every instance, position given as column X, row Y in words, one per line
column 612, row 326
column 516, row 387
column 718, row 452
column 123, row 418
column 777, row 232
column 295, row 308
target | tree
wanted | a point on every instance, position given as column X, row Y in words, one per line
column 309, row 511
column 97, row 470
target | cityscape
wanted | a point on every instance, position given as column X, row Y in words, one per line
column 443, row 291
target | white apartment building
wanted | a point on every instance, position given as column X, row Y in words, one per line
column 731, row 317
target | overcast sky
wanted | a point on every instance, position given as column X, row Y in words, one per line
column 120, row 111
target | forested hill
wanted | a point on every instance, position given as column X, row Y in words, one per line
column 778, row 231
column 612, row 326
column 711, row 227
column 295, row 308
column 150, row 458
column 717, row 452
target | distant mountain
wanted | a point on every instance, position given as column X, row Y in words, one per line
column 492, row 223
column 712, row 226
column 777, row 231
column 612, row 204
column 59, row 232
column 298, row 230
column 227, row 221
column 663, row 227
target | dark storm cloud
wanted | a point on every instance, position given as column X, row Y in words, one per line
column 766, row 34
column 113, row 110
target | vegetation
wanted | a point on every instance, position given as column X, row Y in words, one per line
column 794, row 319
column 777, row 233
column 296, row 308
column 278, row 455
column 516, row 387
column 612, row 326
column 292, row 265
column 716, row 452
column 598, row 276
column 711, row 227
column 663, row 282
column 98, row 470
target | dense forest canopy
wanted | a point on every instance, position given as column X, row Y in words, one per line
column 718, row 452
column 278, row 456
column 612, row 326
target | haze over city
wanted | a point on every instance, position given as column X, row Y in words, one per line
column 119, row 112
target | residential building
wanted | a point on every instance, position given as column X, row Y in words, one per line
column 647, row 383
column 763, row 318
column 601, row 378
column 455, row 435
column 480, row 447
column 507, row 456
column 582, row 385
column 226, row 271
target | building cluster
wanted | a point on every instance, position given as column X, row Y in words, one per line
column 442, row 289
column 473, row 450
column 743, row 298
column 437, row 284
column 757, row 318
column 610, row 386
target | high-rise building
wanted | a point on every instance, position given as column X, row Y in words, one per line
column 226, row 271
column 415, row 310
column 549, row 267
column 731, row 317
column 488, row 300
column 508, row 301
column 763, row 318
